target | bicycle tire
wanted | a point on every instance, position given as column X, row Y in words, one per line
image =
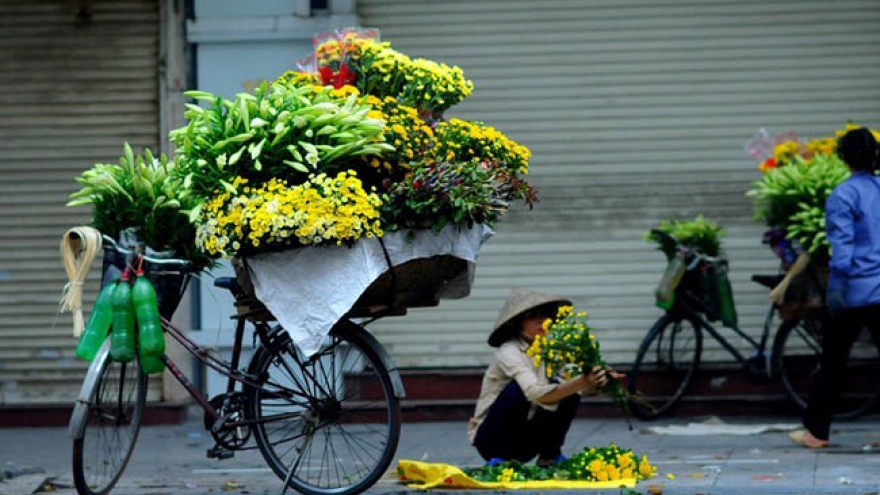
column 350, row 415
column 667, row 360
column 796, row 351
column 102, row 449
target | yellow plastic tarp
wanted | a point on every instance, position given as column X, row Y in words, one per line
column 424, row 475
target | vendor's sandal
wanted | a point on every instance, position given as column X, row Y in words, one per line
column 806, row 439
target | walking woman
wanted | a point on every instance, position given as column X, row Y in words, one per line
column 852, row 217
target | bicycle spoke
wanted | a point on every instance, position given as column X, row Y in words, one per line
column 112, row 422
column 665, row 365
column 341, row 436
column 797, row 352
column 355, row 440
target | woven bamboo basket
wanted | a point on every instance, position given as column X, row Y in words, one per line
column 805, row 296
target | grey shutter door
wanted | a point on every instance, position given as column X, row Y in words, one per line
column 75, row 85
column 635, row 112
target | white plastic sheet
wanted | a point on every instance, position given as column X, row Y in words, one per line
column 309, row 289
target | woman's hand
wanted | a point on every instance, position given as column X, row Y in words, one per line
column 599, row 377
column 584, row 384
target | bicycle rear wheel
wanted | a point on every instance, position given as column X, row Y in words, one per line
column 329, row 423
column 796, row 352
column 666, row 363
column 110, row 422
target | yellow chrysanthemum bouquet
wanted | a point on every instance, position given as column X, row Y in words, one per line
column 321, row 210
column 568, row 348
column 405, row 130
column 420, row 83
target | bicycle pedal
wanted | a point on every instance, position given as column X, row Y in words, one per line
column 218, row 452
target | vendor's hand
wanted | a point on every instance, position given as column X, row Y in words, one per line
column 600, row 376
column 777, row 295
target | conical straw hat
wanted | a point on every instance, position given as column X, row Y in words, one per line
column 518, row 302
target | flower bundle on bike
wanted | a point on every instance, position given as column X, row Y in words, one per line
column 685, row 242
column 359, row 138
column 352, row 146
column 797, row 178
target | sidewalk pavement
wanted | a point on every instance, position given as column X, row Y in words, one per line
column 171, row 459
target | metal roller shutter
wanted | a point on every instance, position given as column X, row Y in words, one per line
column 75, row 85
column 635, row 111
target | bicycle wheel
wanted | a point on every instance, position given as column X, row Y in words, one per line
column 329, row 423
column 796, row 352
column 665, row 365
column 111, row 419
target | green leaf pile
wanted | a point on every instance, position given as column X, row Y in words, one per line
column 793, row 197
column 700, row 234
column 141, row 191
column 279, row 131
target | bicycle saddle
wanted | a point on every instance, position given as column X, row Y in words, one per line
column 769, row 281
column 228, row 283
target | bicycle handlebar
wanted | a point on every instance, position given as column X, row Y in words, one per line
column 156, row 261
column 696, row 255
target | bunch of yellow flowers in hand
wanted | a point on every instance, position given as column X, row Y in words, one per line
column 569, row 349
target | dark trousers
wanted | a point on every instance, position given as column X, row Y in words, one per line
column 507, row 433
column 838, row 336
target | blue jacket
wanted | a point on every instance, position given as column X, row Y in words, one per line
column 852, row 218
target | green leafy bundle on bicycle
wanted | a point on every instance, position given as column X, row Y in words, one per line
column 684, row 242
column 698, row 234
column 797, row 178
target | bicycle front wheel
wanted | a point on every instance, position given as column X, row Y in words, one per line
column 328, row 423
column 111, row 419
column 796, row 352
column 666, row 363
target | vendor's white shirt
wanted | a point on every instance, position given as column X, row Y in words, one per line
column 511, row 363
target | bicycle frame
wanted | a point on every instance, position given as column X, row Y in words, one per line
column 687, row 305
column 230, row 370
column 280, row 385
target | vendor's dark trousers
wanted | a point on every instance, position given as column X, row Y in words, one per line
column 508, row 433
column 838, row 336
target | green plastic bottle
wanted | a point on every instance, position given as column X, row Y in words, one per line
column 724, row 292
column 99, row 324
column 122, row 335
column 151, row 338
column 150, row 364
